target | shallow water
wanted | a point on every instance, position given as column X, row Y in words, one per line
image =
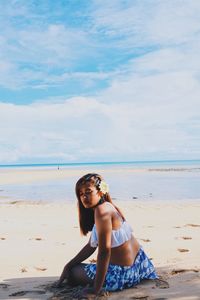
column 155, row 182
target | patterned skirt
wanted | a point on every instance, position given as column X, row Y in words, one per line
column 121, row 277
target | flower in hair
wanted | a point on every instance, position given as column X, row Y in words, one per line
column 103, row 186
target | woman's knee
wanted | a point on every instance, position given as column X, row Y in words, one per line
column 72, row 279
column 78, row 276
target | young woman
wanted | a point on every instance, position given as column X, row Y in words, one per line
column 121, row 261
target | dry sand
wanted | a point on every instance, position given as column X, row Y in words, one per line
column 37, row 239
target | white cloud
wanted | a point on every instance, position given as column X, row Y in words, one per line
column 155, row 124
column 43, row 53
column 150, row 110
column 39, row 51
column 147, row 23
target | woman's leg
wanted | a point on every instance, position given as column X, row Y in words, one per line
column 78, row 276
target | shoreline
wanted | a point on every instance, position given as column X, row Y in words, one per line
column 129, row 184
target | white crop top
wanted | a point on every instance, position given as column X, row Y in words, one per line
column 119, row 236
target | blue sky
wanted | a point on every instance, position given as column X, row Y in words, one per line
column 99, row 80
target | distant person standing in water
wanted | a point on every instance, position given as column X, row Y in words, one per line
column 121, row 261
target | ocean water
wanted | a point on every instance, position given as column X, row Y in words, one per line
column 155, row 180
column 124, row 164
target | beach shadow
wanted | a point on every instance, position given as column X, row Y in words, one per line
column 39, row 288
column 172, row 284
column 26, row 288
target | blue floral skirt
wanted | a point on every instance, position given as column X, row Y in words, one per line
column 120, row 277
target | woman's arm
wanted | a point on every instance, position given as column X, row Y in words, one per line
column 104, row 230
column 85, row 252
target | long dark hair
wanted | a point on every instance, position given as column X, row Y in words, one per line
column 86, row 215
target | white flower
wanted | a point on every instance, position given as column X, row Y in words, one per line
column 103, row 186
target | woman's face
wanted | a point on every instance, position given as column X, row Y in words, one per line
column 89, row 195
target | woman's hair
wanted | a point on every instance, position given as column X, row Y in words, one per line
column 86, row 215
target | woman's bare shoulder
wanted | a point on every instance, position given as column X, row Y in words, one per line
column 103, row 218
column 103, row 210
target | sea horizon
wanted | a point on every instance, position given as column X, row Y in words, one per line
column 142, row 163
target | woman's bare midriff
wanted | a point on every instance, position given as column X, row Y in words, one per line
column 125, row 254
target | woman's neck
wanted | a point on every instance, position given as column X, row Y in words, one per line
column 101, row 201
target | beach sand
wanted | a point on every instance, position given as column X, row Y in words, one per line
column 37, row 239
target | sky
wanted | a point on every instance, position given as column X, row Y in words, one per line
column 98, row 80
